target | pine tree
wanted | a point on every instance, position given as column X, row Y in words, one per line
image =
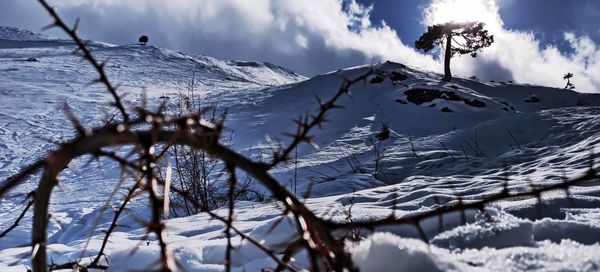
column 458, row 38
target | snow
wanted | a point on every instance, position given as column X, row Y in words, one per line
column 497, row 232
column 18, row 34
column 432, row 157
column 387, row 252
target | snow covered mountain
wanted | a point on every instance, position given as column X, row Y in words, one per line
column 46, row 73
column 447, row 141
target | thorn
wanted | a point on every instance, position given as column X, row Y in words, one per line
column 538, row 197
column 336, row 106
column 50, row 26
column 568, row 197
column 298, row 121
column 93, row 82
column 463, row 216
column 102, row 64
column 76, row 25
column 319, row 100
column 421, row 232
column 291, row 135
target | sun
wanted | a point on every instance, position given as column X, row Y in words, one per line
column 443, row 11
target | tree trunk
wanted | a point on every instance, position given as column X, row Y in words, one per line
column 447, row 56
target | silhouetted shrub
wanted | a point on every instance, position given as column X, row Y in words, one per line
column 567, row 77
column 384, row 133
column 143, row 39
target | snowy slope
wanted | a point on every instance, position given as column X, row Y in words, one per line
column 40, row 75
column 448, row 141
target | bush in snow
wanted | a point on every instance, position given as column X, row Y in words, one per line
column 196, row 171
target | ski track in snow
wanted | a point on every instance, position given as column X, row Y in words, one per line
column 431, row 156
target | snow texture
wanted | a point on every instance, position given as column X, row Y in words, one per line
column 462, row 143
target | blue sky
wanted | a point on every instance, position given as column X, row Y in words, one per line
column 537, row 41
column 547, row 19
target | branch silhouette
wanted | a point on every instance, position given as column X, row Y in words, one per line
column 320, row 237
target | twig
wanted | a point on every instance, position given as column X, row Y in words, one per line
column 113, row 224
column 462, row 206
column 16, row 223
column 513, row 138
column 232, row 184
column 447, row 151
column 19, row 177
column 155, row 225
column 307, row 122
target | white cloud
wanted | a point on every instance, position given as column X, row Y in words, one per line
column 310, row 36
column 315, row 36
column 518, row 55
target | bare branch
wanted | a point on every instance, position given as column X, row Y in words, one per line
column 16, row 223
column 87, row 54
column 308, row 122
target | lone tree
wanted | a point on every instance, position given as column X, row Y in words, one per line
column 143, row 39
column 459, row 38
column 570, row 85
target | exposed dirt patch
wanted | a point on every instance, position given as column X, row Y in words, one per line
column 532, row 99
column 475, row 103
column 419, row 96
column 377, row 79
column 395, row 76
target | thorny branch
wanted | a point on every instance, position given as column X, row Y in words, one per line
column 16, row 223
column 87, row 54
column 232, row 184
column 317, row 236
column 113, row 225
column 461, row 206
column 307, row 122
